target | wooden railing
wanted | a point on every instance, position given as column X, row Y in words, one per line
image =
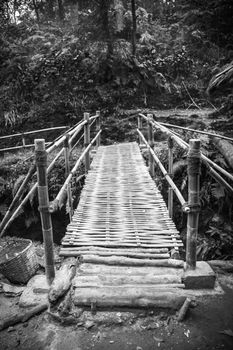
column 23, row 138
column 194, row 159
column 68, row 142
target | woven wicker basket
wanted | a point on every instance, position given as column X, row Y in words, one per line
column 18, row 261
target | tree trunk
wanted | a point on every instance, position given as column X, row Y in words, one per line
column 104, row 7
column 118, row 7
column 36, row 11
column 134, row 29
column 50, row 11
column 61, row 10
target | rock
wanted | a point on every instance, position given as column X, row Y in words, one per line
column 10, row 329
column 29, row 297
column 89, row 324
column 11, row 290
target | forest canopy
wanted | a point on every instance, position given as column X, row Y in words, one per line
column 60, row 57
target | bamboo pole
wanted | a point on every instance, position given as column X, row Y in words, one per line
column 185, row 206
column 23, row 140
column 170, row 171
column 139, row 128
column 73, row 171
column 197, row 131
column 67, row 171
column 32, row 132
column 87, row 140
column 151, row 144
column 98, row 127
column 20, row 147
column 72, row 133
column 43, row 196
column 194, row 169
column 11, row 214
column 17, row 197
column 207, row 161
column 30, row 193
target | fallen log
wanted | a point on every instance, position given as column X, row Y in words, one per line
column 121, row 270
column 225, row 148
column 116, row 260
column 125, row 250
column 22, row 317
column 62, row 280
column 130, row 297
column 226, row 265
column 184, row 309
column 78, row 252
column 118, row 280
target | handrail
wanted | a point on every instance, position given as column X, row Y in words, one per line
column 33, row 132
column 192, row 208
column 183, row 202
column 19, row 147
column 197, row 131
column 73, row 131
column 72, row 172
column 29, row 194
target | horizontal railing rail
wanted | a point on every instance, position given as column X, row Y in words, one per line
column 23, row 136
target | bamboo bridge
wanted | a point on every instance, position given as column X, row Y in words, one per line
column 122, row 231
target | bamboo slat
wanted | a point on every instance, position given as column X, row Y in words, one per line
column 120, row 209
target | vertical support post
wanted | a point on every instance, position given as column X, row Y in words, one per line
column 67, row 171
column 194, row 168
column 23, row 140
column 67, row 155
column 140, row 128
column 151, row 143
column 87, row 140
column 46, row 222
column 98, row 127
column 170, row 171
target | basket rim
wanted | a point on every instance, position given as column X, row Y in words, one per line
column 17, row 256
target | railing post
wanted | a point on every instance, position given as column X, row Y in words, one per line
column 140, row 128
column 170, row 171
column 46, row 222
column 151, row 143
column 23, row 140
column 87, row 140
column 194, row 168
column 67, row 171
column 98, row 127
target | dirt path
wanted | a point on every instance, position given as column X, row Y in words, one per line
column 206, row 327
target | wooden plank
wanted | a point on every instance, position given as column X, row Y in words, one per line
column 119, row 280
column 129, row 297
column 117, row 260
column 98, row 269
column 73, row 252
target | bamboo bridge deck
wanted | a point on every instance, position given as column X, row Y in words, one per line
column 120, row 206
column 123, row 235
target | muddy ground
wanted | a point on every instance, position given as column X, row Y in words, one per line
column 207, row 326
